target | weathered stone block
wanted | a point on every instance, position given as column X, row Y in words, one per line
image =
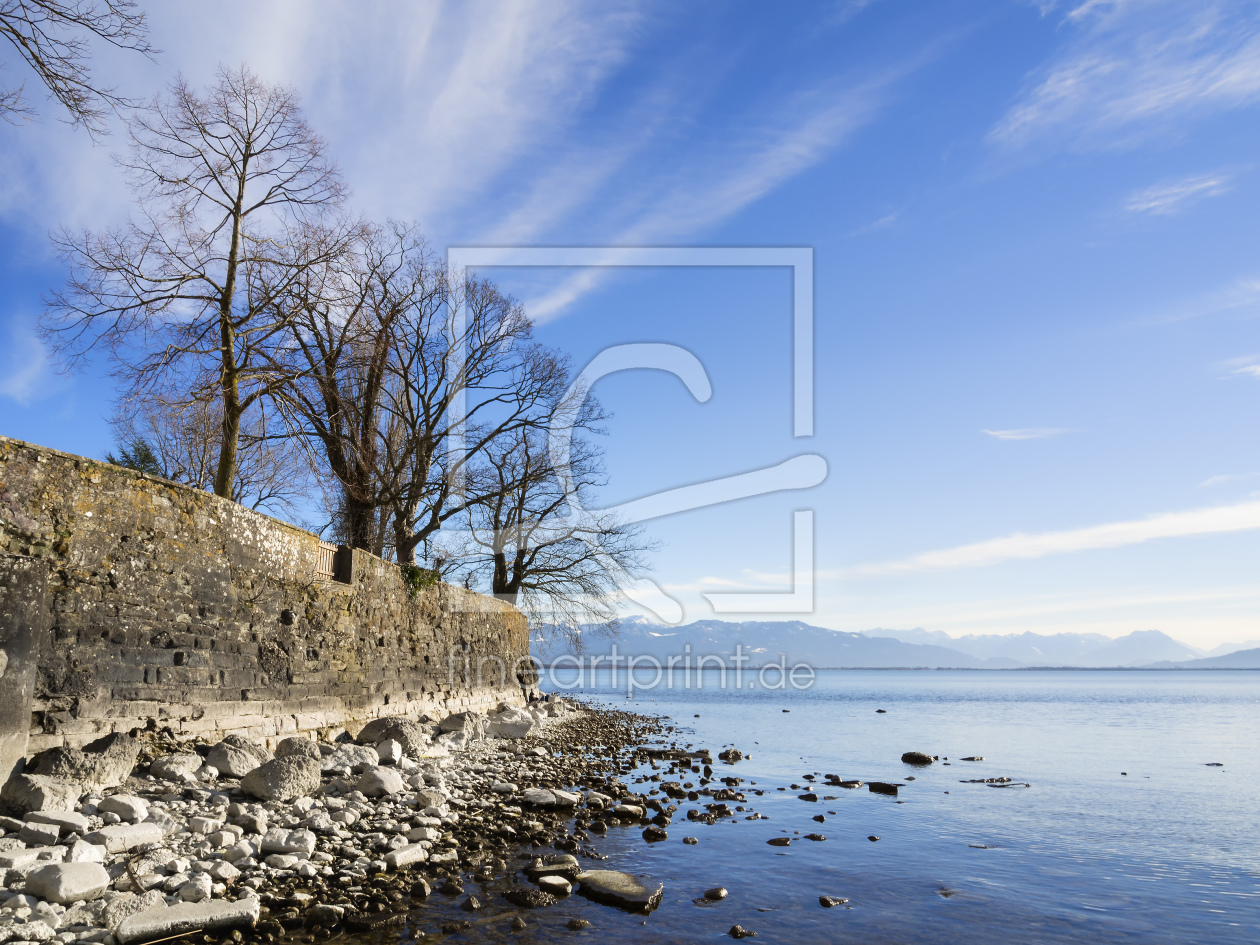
column 23, row 619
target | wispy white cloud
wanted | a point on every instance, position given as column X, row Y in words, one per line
column 1251, row 370
column 427, row 107
column 25, row 369
column 1243, row 516
column 1226, row 478
column 705, row 584
column 1032, row 433
column 1169, row 198
column 720, row 182
column 883, row 223
column 846, row 10
column 1240, row 293
column 1128, row 68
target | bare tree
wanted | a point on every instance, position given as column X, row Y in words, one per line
column 346, row 316
column 464, row 386
column 533, row 543
column 179, row 441
column 54, row 37
column 233, row 189
column 400, row 402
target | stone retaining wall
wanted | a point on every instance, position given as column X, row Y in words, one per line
column 165, row 602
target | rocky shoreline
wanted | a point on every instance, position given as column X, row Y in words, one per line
column 230, row 843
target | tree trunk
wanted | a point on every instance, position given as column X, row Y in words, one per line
column 360, row 524
column 225, row 475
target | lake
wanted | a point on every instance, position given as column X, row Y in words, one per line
column 1125, row 834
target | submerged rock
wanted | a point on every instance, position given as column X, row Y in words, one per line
column 527, row 897
column 620, row 889
column 917, row 758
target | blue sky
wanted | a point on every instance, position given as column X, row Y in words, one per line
column 1034, row 228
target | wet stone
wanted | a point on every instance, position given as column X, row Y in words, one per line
column 527, row 897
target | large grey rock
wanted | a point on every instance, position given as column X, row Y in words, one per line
column 67, row 882
column 406, row 856
column 84, row 852
column 430, row 797
column 119, row 838
column 211, row 916
column 130, row 808
column 539, row 797
column 283, row 779
column 413, row 737
column 354, row 757
column 471, row 724
column 66, row 821
column 38, row 931
column 197, row 889
column 167, row 822
column 295, row 747
column 558, row 886
column 236, row 756
column 85, row 913
column 511, row 723
column 389, row 751
column 178, row 767
column 19, row 859
column 555, row 864
column 118, row 909
column 379, row 782
column 240, row 850
column 620, row 889
column 27, row 792
column 279, row 840
column 39, row 835
column 104, row 763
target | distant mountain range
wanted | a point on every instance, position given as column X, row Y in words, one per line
column 762, row 642
column 1238, row 659
column 1059, row 649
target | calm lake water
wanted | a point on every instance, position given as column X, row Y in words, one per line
column 1125, row 835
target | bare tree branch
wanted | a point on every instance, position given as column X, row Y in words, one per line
column 233, row 190
column 54, row 37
